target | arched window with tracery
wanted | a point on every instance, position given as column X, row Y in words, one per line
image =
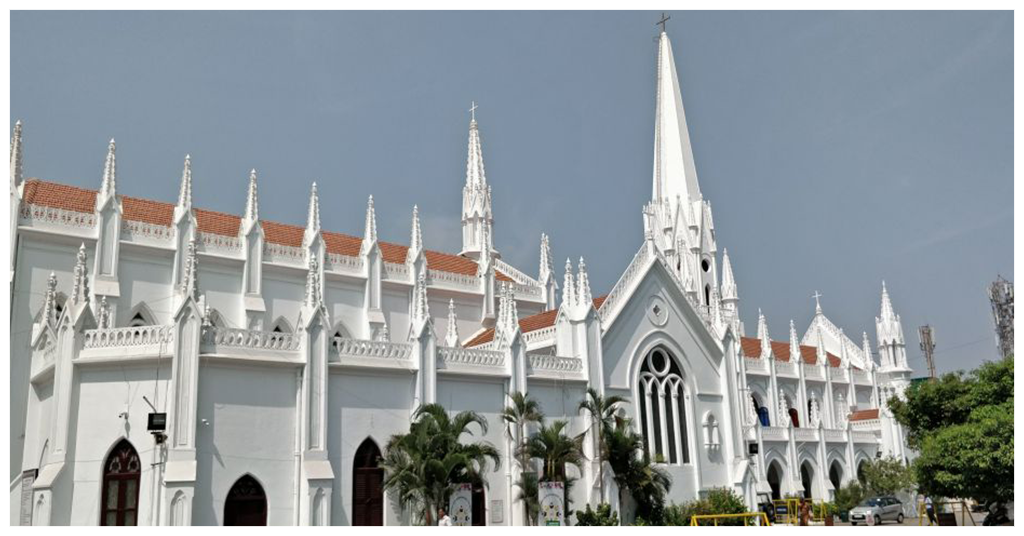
column 662, row 401
column 246, row 503
column 121, row 474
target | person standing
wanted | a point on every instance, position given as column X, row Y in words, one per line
column 442, row 518
column 929, row 507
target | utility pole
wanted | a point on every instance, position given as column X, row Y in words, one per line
column 927, row 338
column 1000, row 293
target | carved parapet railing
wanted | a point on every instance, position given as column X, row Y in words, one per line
column 396, row 272
column 775, row 433
column 128, row 337
column 455, row 358
column 337, row 262
column 539, row 337
column 380, row 350
column 250, row 339
column 42, row 216
column 814, row 372
column 837, row 374
column 861, row 377
column 281, row 254
column 756, row 365
column 453, row 281
column 527, row 291
column 515, row 274
column 786, row 368
column 805, row 434
column 864, row 437
column 869, row 425
column 554, row 363
column 220, row 244
column 618, row 292
column 833, row 435
column 142, row 232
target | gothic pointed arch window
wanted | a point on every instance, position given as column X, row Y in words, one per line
column 662, row 401
column 140, row 315
column 367, row 486
column 246, row 503
column 281, row 326
column 122, row 471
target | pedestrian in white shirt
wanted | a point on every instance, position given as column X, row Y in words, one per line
column 442, row 518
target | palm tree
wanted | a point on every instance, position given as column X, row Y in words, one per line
column 423, row 465
column 602, row 415
column 633, row 471
column 529, row 495
column 556, row 450
column 523, row 411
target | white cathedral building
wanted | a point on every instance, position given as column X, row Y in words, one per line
column 284, row 356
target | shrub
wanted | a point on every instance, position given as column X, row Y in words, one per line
column 717, row 501
column 849, row 496
column 602, row 517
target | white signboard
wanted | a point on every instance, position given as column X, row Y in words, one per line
column 552, row 504
column 460, row 506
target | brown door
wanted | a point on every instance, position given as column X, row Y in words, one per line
column 479, row 506
column 367, row 486
column 246, row 504
column 121, row 475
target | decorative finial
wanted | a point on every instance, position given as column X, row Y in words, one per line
column 416, row 241
column 16, row 155
column 545, row 257
column 252, row 210
column 451, row 338
column 583, row 280
column 313, row 214
column 49, row 314
column 817, row 301
column 794, row 344
column 80, row 287
column 185, row 195
column 109, row 185
column 370, row 232
column 568, row 286
column 103, row 314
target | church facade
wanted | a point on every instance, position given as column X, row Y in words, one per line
column 276, row 360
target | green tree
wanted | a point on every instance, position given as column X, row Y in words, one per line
column 529, row 495
column 849, row 496
column 602, row 517
column 886, row 476
column 633, row 471
column 962, row 425
column 717, row 501
column 423, row 465
column 555, row 450
column 602, row 416
column 518, row 415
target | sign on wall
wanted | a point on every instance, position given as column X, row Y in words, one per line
column 461, row 505
column 552, row 504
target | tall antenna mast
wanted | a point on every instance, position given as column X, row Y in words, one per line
column 926, row 335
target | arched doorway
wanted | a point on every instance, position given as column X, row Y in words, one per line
column 775, row 480
column 367, row 486
column 835, row 475
column 807, row 479
column 479, row 506
column 246, row 504
column 121, row 473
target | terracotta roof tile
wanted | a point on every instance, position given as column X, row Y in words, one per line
column 864, row 415
column 530, row 323
column 751, row 347
column 159, row 213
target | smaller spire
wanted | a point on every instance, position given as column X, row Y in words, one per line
column 252, row 207
column 729, row 291
column 869, row 362
column 313, row 213
column 103, row 320
column 416, row 240
column 794, row 344
column 583, row 280
column 370, row 232
column 568, row 287
column 451, row 338
column 185, row 195
column 80, row 287
column 421, row 308
column 16, row 156
column 762, row 335
column 190, row 277
column 49, row 314
column 108, row 187
column 783, row 409
column 815, row 410
column 887, row 310
column 546, row 269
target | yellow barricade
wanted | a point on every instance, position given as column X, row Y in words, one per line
column 789, row 514
column 749, row 518
column 964, row 511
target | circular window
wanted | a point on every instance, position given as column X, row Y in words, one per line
column 705, row 265
column 658, row 362
column 657, row 311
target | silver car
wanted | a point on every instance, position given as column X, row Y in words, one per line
column 877, row 509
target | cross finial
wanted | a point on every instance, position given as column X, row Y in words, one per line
column 817, row 300
column 472, row 111
column 663, row 20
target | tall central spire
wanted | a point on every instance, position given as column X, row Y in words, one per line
column 674, row 171
column 476, row 199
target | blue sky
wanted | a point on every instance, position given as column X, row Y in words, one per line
column 837, row 148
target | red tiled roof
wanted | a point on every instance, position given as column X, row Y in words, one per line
column 530, row 323
column 76, row 199
column 864, row 415
column 751, row 347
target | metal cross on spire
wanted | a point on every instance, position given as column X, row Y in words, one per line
column 663, row 20
column 472, row 111
column 817, row 300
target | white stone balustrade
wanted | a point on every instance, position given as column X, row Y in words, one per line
column 249, row 339
column 814, row 372
column 447, row 357
column 618, row 292
column 539, row 337
column 281, row 254
column 756, row 365
column 128, row 337
column 396, row 272
column 554, row 363
column 805, row 434
column 372, row 349
column 837, row 374
column 515, row 274
column 869, row 425
column 835, row 436
column 864, row 437
column 453, row 281
column 142, row 232
column 775, row 433
column 37, row 215
column 861, row 377
column 220, row 244
column 344, row 263
column 784, row 368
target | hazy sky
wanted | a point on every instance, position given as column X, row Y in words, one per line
column 837, row 149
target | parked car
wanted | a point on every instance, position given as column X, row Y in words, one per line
column 877, row 510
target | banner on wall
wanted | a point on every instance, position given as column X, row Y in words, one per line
column 460, row 506
column 552, row 504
